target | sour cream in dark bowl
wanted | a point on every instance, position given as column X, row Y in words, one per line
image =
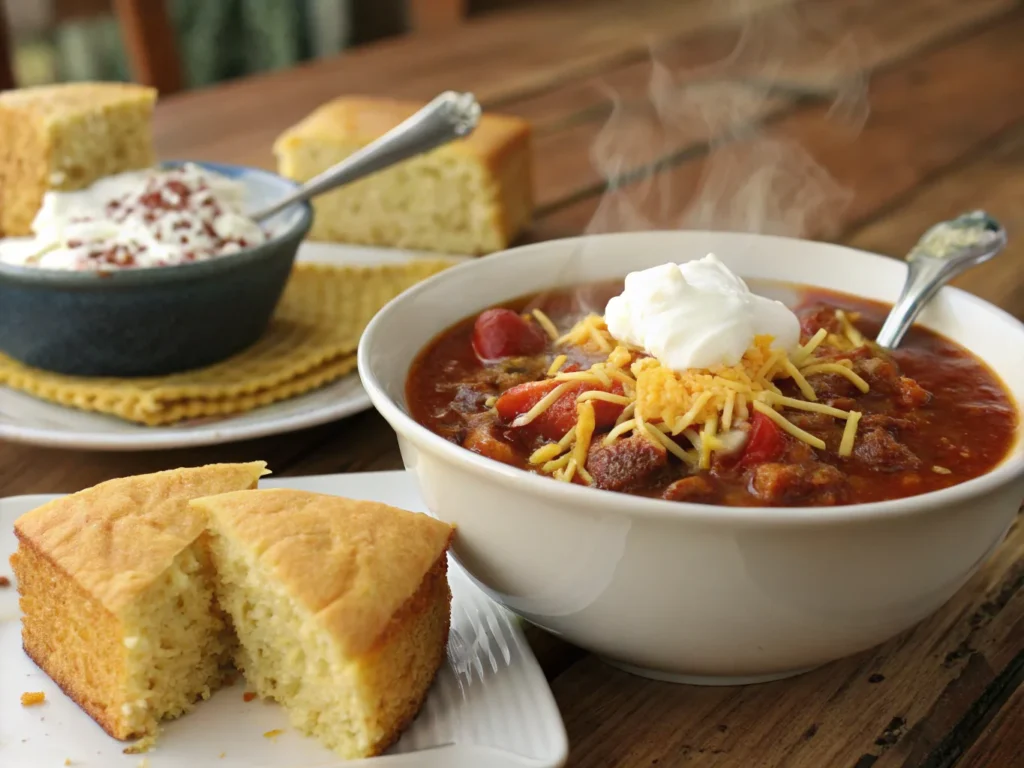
column 148, row 273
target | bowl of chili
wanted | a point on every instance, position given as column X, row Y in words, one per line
column 796, row 546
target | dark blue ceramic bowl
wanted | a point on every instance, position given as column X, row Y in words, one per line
column 154, row 321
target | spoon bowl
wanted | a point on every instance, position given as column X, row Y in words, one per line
column 946, row 250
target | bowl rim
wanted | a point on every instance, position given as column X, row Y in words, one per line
column 100, row 279
column 1010, row 469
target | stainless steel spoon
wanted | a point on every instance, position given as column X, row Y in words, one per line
column 943, row 252
column 449, row 116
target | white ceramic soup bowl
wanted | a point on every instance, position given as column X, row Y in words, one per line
column 687, row 592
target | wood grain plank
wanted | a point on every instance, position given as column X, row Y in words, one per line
column 1002, row 743
column 571, row 119
column 809, row 175
column 578, row 161
column 888, row 707
column 819, row 47
column 31, row 469
column 692, row 94
column 376, row 449
column 994, row 182
column 497, row 56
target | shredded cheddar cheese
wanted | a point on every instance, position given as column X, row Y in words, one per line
column 545, row 322
column 849, row 433
column 702, row 407
column 556, row 365
column 542, row 405
column 807, row 349
column 842, row 370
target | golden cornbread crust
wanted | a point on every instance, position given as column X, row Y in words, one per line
column 48, row 591
column 418, row 632
column 471, row 196
column 65, row 137
column 353, row 564
column 110, row 573
column 114, row 538
column 342, row 608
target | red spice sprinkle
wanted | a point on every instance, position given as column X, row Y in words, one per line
column 248, row 696
column 4, row 581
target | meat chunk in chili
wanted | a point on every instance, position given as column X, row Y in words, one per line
column 483, row 437
column 626, row 464
column 878, row 449
column 910, row 394
column 695, row 488
column 782, row 484
column 894, row 424
column 816, row 317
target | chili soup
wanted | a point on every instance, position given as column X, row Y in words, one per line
column 541, row 384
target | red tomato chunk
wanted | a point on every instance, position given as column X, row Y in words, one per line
column 766, row 442
column 501, row 333
column 560, row 416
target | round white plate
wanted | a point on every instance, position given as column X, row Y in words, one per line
column 26, row 419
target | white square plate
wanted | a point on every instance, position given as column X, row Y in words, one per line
column 490, row 707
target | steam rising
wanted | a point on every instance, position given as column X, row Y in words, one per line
column 751, row 178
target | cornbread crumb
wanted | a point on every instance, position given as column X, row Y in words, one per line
column 141, row 746
column 32, row 698
column 4, row 581
column 273, row 734
column 65, row 137
column 471, row 196
column 341, row 608
column 67, row 761
column 248, row 696
column 222, row 755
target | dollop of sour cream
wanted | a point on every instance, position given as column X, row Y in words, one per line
column 149, row 218
column 696, row 315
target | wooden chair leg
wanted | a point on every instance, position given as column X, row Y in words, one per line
column 6, row 53
column 435, row 15
column 150, row 41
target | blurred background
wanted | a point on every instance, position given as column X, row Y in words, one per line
column 48, row 41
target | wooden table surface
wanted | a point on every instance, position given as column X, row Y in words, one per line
column 860, row 122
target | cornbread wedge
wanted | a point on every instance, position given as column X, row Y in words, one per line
column 65, row 137
column 117, row 595
column 468, row 197
column 341, row 608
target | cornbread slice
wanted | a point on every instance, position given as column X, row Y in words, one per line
column 471, row 196
column 341, row 608
column 117, row 595
column 65, row 137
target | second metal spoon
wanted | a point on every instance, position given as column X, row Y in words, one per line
column 943, row 252
column 449, row 116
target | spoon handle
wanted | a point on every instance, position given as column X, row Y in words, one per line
column 449, row 116
column 925, row 275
